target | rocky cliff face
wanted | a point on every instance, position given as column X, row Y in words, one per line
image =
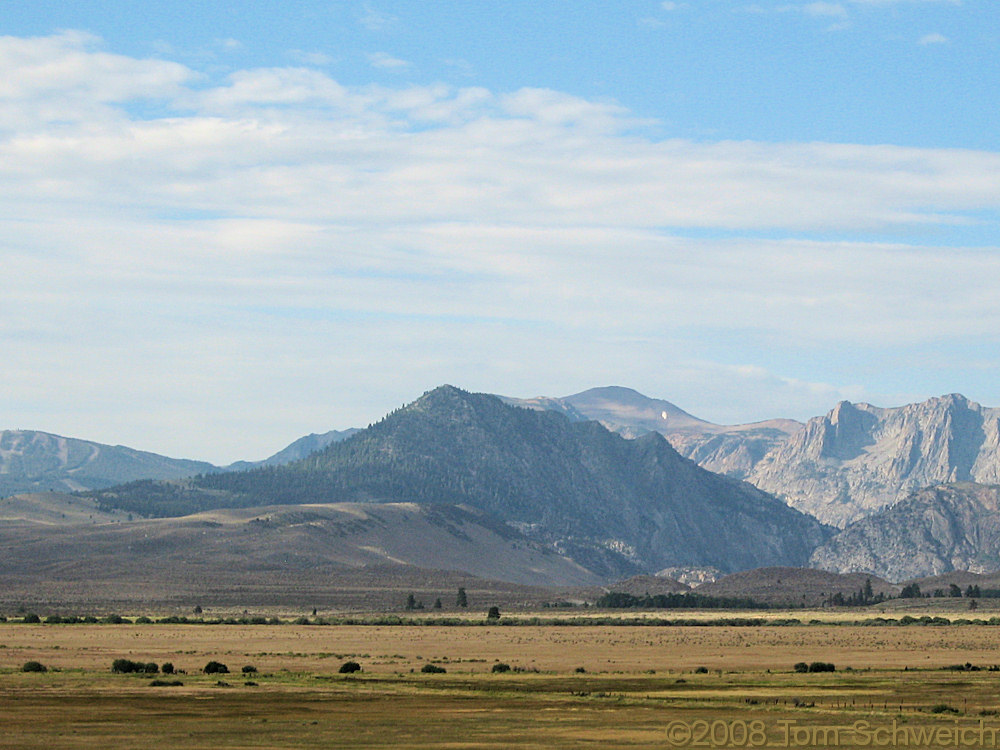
column 933, row 531
column 861, row 458
column 33, row 461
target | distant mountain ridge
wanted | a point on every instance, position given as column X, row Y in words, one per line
column 615, row 506
column 296, row 450
column 32, row 461
column 731, row 450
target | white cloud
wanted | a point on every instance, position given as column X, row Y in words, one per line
column 386, row 61
column 316, row 59
column 67, row 78
column 376, row 20
column 281, row 232
column 933, row 39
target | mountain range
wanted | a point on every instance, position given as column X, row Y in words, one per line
column 614, row 505
column 908, row 485
column 848, row 464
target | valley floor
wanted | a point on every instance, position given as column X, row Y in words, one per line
column 640, row 686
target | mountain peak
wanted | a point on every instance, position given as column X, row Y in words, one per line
column 615, row 405
column 449, row 399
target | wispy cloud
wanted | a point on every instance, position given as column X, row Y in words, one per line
column 316, row 59
column 933, row 39
column 376, row 20
column 385, row 61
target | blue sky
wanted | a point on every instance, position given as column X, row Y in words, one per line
column 225, row 225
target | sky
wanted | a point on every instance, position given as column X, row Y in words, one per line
column 227, row 225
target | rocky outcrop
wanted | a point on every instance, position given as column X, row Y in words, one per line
column 933, row 531
column 861, row 458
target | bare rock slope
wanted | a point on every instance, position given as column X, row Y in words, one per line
column 861, row 458
column 936, row 530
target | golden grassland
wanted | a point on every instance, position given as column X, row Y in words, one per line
column 639, row 687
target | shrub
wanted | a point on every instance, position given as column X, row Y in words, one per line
column 821, row 666
column 944, row 708
column 127, row 666
column 580, row 670
column 167, row 668
column 493, row 614
column 216, row 667
column 143, row 620
column 165, row 683
column 433, row 669
column 701, row 670
column 349, row 667
column 801, row 667
column 150, row 668
column 53, row 620
column 32, row 619
column 34, row 666
column 501, row 667
column 249, row 669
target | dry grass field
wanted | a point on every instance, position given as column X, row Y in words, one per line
column 639, row 687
